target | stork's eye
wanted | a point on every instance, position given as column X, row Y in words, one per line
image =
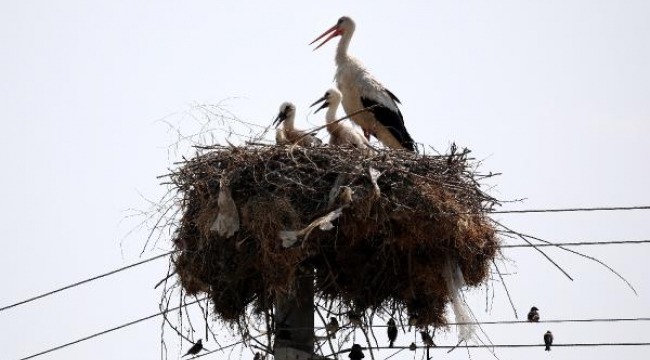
column 339, row 22
column 327, row 94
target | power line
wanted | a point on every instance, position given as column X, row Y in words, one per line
column 84, row 281
column 617, row 208
column 134, row 322
column 578, row 209
column 511, row 322
column 130, row 323
column 582, row 243
column 553, row 321
column 227, row 346
column 491, row 346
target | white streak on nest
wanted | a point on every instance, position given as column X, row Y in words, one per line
column 455, row 283
column 290, row 237
column 344, row 194
column 374, row 175
column 227, row 222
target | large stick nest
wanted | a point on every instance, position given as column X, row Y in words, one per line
column 402, row 219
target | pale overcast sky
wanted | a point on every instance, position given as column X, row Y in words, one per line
column 553, row 94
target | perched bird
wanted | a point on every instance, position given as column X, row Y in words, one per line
column 341, row 133
column 413, row 320
column 195, row 349
column 355, row 319
column 356, row 353
column 392, row 332
column 332, row 327
column 412, row 347
column 258, row 356
column 548, row 340
column 361, row 90
column 426, row 339
column 286, row 117
column 533, row 315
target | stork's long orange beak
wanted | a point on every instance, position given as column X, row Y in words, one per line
column 334, row 30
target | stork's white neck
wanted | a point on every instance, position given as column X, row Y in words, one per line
column 288, row 122
column 330, row 116
column 342, row 48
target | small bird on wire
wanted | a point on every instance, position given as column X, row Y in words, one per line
column 413, row 320
column 426, row 339
column 195, row 349
column 332, row 327
column 412, row 347
column 355, row 319
column 392, row 332
column 548, row 340
column 533, row 315
column 258, row 356
column 356, row 353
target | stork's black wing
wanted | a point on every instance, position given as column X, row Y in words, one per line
column 392, row 120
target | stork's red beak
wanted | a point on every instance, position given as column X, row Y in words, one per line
column 334, row 30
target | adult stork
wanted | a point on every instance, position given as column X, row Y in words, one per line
column 361, row 90
column 289, row 134
column 341, row 134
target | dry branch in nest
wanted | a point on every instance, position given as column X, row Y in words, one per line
column 380, row 230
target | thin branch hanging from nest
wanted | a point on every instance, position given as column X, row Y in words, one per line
column 380, row 228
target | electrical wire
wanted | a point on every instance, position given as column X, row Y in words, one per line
column 134, row 322
column 104, row 332
column 112, row 272
column 226, row 346
column 582, row 243
column 617, row 208
column 511, row 322
column 445, row 347
column 577, row 209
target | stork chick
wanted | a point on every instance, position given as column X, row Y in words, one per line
column 290, row 134
column 341, row 134
column 361, row 90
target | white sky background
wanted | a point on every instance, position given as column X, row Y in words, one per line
column 553, row 94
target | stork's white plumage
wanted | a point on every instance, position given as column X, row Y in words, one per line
column 288, row 134
column 341, row 134
column 361, row 90
column 280, row 139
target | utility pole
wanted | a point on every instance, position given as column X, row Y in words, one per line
column 294, row 320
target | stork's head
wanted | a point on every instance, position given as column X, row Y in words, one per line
column 287, row 110
column 345, row 25
column 332, row 97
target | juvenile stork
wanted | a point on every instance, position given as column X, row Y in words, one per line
column 341, row 134
column 288, row 134
column 360, row 90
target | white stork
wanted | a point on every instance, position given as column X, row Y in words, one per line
column 288, row 134
column 340, row 132
column 361, row 90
